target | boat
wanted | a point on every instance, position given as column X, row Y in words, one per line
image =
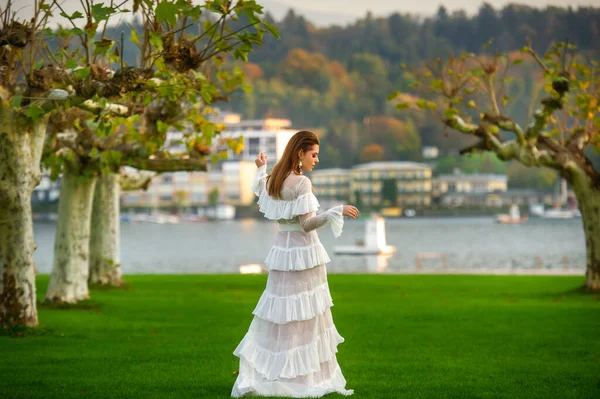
column 193, row 218
column 513, row 216
column 158, row 218
column 374, row 242
column 557, row 213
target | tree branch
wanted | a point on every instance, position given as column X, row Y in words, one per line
column 168, row 165
column 136, row 181
column 507, row 124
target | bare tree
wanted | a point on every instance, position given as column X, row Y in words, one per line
column 468, row 94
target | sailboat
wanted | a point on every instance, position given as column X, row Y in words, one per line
column 557, row 212
column 513, row 217
column 374, row 242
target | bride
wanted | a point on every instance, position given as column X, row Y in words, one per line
column 290, row 347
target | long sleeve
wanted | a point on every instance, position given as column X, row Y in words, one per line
column 260, row 180
column 332, row 217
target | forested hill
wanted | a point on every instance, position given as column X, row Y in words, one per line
column 403, row 38
column 335, row 80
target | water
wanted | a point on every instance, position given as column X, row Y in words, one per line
column 423, row 245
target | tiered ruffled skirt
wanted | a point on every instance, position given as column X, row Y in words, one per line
column 291, row 345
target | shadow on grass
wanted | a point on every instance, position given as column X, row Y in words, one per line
column 125, row 286
column 22, row 331
column 86, row 304
column 581, row 291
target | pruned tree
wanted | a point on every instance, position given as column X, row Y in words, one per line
column 28, row 91
column 179, row 75
column 468, row 95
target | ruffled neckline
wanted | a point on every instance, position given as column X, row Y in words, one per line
column 275, row 209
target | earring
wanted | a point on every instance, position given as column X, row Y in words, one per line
column 300, row 166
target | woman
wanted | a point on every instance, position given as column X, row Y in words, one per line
column 290, row 347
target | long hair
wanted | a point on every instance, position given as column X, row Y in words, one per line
column 303, row 140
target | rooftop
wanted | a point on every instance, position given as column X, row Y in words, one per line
column 331, row 171
column 267, row 124
column 474, row 177
column 394, row 165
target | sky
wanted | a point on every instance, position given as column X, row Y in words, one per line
column 385, row 7
column 323, row 13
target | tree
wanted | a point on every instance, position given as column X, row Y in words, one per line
column 178, row 78
column 469, row 96
column 520, row 176
column 371, row 153
column 399, row 140
column 213, row 196
column 27, row 94
column 300, row 68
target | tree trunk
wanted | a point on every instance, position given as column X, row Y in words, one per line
column 17, row 288
column 105, row 257
column 588, row 198
column 69, row 278
column 20, row 152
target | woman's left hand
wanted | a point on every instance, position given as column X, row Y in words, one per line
column 261, row 159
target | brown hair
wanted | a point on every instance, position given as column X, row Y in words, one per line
column 303, row 140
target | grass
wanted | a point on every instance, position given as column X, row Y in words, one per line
column 423, row 336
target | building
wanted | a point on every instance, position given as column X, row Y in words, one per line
column 469, row 190
column 331, row 185
column 231, row 180
column 232, row 177
column 391, row 184
column 475, row 183
column 270, row 135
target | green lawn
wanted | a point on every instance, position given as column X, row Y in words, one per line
column 419, row 336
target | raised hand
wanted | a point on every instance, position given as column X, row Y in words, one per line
column 261, row 159
column 350, row 210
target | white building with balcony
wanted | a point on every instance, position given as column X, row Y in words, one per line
column 270, row 135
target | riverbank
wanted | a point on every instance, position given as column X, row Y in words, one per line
column 408, row 336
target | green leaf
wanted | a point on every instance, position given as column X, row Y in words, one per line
column 102, row 47
column 83, row 73
column 71, row 64
column 431, row 105
column 518, row 61
column 450, row 112
column 437, row 84
column 156, row 41
column 209, row 131
column 75, row 32
column 166, row 11
column 75, row 15
column 271, row 28
column 393, row 95
column 16, row 102
column 162, row 127
column 472, row 104
column 422, row 104
column 134, row 37
column 402, row 106
column 101, row 13
column 33, row 112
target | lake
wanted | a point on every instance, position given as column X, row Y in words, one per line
column 423, row 245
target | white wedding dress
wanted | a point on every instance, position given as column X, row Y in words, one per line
column 290, row 347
